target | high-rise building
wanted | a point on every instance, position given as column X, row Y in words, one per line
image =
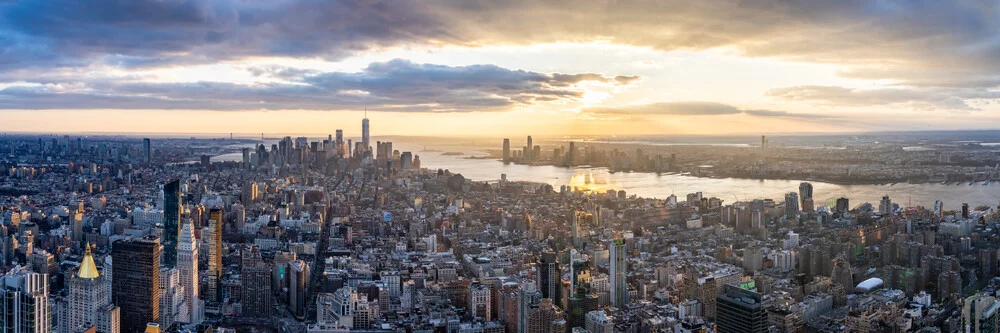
column 885, row 206
column 25, row 303
column 172, row 306
column 136, row 289
column 88, row 300
column 740, row 311
column 805, row 193
column 571, row 154
column 365, row 135
column 506, row 150
column 528, row 156
column 549, row 277
column 791, row 204
column 216, row 217
column 618, row 273
column 528, row 298
column 147, row 151
column 843, row 205
column 256, row 278
column 187, row 267
column 298, row 285
column 980, row 314
column 171, row 221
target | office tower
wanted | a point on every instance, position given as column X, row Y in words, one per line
column 187, row 269
column 25, row 303
column 965, row 210
column 172, row 306
column 938, row 208
column 339, row 143
column 88, row 296
column 147, row 151
column 571, row 154
column 76, row 221
column 214, row 234
column 885, row 206
column 171, row 221
column 136, row 289
column 806, row 193
column 549, row 277
column 619, row 267
column 791, row 204
column 843, row 205
column 763, row 142
column 256, row 279
column 528, row 298
column 506, row 150
column 365, row 134
column 298, row 285
column 740, row 311
column 545, row 317
column 980, row 314
column 530, row 150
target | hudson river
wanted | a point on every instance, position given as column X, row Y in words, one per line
column 661, row 186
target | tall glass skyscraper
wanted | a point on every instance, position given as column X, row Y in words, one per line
column 618, row 271
column 366, row 141
column 171, row 221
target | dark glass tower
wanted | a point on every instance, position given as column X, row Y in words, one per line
column 136, row 285
column 740, row 311
column 171, row 221
column 549, row 277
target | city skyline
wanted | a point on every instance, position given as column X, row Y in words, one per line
column 591, row 68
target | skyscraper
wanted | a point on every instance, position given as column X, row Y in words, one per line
column 529, row 156
column 791, row 204
column 805, row 193
column 549, row 277
column 571, row 154
column 339, row 142
column 187, row 267
column 298, row 285
column 885, row 206
column 136, row 288
column 147, row 151
column 740, row 311
column 171, row 221
column 88, row 297
column 365, row 134
column 619, row 267
column 256, row 278
column 172, row 306
column 216, row 217
column 506, row 150
column 25, row 303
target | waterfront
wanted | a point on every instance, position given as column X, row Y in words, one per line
column 433, row 156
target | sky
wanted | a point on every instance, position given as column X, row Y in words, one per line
column 499, row 67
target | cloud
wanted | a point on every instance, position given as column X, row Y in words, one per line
column 695, row 108
column 919, row 98
column 896, row 34
column 397, row 85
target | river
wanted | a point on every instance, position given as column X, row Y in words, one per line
column 663, row 185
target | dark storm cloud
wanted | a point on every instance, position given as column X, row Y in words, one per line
column 899, row 33
column 917, row 44
column 694, row 109
column 396, row 85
